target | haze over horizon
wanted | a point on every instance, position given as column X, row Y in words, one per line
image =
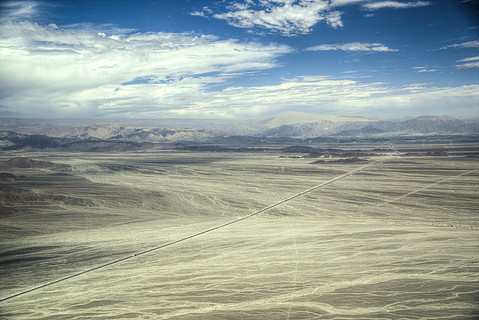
column 243, row 59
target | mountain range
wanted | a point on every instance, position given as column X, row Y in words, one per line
column 54, row 133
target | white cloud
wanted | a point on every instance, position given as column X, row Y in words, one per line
column 334, row 19
column 18, row 10
column 468, row 44
column 353, row 46
column 395, row 5
column 47, row 69
column 471, row 62
column 334, row 96
column 88, row 70
column 424, row 69
column 198, row 14
column 292, row 17
column 53, row 72
column 337, row 3
column 282, row 16
column 468, row 65
column 469, row 59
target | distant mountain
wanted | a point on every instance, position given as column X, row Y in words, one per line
column 295, row 118
column 133, row 134
column 426, row 125
column 309, row 126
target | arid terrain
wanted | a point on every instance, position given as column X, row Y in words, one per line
column 397, row 240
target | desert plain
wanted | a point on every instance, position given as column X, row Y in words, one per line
column 396, row 240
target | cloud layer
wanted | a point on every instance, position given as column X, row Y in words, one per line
column 462, row 45
column 283, row 16
column 395, row 5
column 13, row 11
column 353, row 46
column 337, row 96
column 466, row 63
column 74, row 70
column 87, row 70
column 294, row 17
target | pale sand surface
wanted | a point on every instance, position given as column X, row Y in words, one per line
column 397, row 241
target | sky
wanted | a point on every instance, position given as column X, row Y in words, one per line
column 239, row 59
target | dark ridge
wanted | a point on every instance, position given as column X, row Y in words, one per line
column 216, row 148
column 298, row 149
column 35, row 141
column 341, row 161
column 101, row 146
column 25, row 163
column 429, row 153
column 338, row 153
column 7, row 177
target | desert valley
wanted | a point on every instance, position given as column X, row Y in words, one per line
column 395, row 237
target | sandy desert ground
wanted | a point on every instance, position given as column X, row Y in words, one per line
column 398, row 240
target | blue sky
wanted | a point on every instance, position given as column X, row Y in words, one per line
column 244, row 59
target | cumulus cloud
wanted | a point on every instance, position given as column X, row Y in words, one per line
column 287, row 17
column 87, row 70
column 79, row 70
column 51, row 71
column 293, row 17
column 198, row 14
column 353, row 46
column 395, row 5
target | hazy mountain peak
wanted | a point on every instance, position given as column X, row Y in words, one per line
column 291, row 118
column 435, row 118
